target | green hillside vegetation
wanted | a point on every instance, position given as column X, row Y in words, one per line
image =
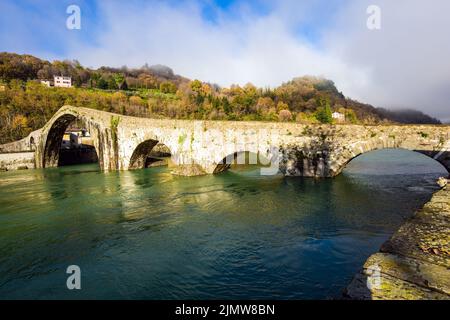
column 155, row 91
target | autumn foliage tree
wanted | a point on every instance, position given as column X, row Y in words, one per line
column 156, row 91
column 323, row 113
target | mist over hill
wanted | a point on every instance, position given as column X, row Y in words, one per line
column 408, row 116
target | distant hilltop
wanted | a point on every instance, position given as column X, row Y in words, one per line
column 156, row 91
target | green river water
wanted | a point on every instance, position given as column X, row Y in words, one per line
column 147, row 234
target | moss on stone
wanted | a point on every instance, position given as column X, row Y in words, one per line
column 415, row 262
column 114, row 125
column 182, row 138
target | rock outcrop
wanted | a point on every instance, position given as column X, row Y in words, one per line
column 415, row 262
column 442, row 182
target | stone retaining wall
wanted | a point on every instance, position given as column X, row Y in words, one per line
column 17, row 160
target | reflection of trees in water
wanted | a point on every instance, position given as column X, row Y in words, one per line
column 173, row 198
column 82, row 189
column 143, row 195
column 64, row 212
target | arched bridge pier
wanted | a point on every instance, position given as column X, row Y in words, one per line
column 200, row 147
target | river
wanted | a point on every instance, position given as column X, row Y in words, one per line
column 147, row 234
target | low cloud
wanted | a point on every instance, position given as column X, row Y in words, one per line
column 403, row 65
column 249, row 48
column 406, row 61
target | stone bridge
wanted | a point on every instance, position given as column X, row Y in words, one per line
column 206, row 147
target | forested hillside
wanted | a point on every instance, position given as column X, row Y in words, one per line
column 155, row 91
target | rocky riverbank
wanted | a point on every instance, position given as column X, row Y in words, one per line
column 16, row 160
column 415, row 262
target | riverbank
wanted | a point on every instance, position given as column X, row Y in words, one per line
column 415, row 262
column 16, row 160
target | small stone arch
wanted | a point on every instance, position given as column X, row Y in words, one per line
column 48, row 151
column 53, row 140
column 147, row 151
column 339, row 162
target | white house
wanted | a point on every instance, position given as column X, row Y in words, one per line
column 61, row 81
column 339, row 117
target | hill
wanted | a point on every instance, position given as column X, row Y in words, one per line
column 408, row 116
column 156, row 91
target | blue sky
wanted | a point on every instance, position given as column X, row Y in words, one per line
column 44, row 20
column 405, row 64
column 41, row 25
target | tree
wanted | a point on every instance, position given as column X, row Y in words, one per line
column 282, row 106
column 226, row 105
column 137, row 106
column 20, row 126
column 284, row 115
column 168, row 87
column 206, row 89
column 350, row 116
column 123, row 85
column 119, row 101
column 147, row 81
column 102, row 83
column 264, row 104
column 196, row 86
column 136, row 101
column 323, row 113
column 120, row 81
column 271, row 115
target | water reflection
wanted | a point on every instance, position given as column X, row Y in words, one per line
column 148, row 234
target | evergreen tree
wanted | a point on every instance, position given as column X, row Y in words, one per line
column 323, row 113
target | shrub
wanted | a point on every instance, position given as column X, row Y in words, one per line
column 284, row 115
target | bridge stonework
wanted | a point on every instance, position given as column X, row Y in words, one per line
column 199, row 147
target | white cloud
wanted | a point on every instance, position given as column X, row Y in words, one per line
column 407, row 59
column 405, row 64
column 257, row 49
